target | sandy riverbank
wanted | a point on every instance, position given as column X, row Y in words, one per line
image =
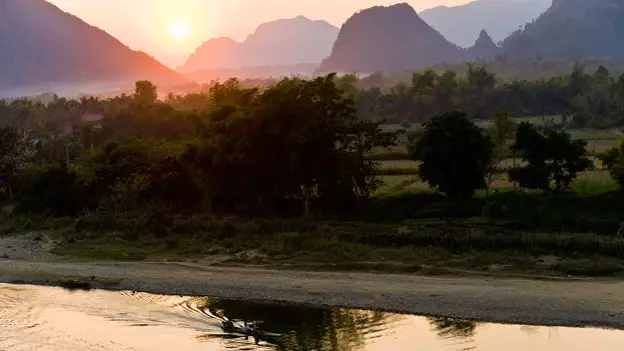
column 566, row 303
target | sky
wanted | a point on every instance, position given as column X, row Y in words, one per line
column 171, row 30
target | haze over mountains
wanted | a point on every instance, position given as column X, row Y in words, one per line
column 500, row 18
column 572, row 29
column 42, row 46
column 283, row 42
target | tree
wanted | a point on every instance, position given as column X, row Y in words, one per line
column 299, row 141
column 553, row 160
column 479, row 92
column 145, row 93
column 16, row 152
column 613, row 160
column 454, row 154
column 126, row 175
column 53, row 189
column 500, row 132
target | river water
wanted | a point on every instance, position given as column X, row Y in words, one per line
column 55, row 319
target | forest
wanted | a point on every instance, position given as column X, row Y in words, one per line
column 585, row 99
column 300, row 168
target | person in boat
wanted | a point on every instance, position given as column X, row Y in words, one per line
column 247, row 330
column 228, row 325
column 256, row 333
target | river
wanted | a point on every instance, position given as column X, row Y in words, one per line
column 55, row 319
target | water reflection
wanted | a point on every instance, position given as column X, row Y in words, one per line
column 53, row 319
column 454, row 328
column 307, row 328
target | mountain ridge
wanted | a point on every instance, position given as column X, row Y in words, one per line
column 43, row 45
column 571, row 29
column 273, row 43
column 384, row 38
column 462, row 23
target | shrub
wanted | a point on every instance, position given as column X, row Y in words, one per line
column 553, row 159
column 455, row 154
column 53, row 189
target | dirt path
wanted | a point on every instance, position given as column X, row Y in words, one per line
column 573, row 303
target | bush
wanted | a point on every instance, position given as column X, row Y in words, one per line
column 553, row 159
column 613, row 160
column 53, row 189
column 455, row 154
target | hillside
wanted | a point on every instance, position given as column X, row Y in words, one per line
column 484, row 48
column 43, row 46
column 571, row 29
column 462, row 24
column 282, row 42
column 386, row 39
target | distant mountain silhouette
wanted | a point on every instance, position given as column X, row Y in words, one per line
column 388, row 38
column 282, row 42
column 484, row 48
column 40, row 45
column 571, row 29
column 461, row 24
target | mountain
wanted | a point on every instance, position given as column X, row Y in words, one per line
column 484, row 48
column 571, row 29
column 461, row 24
column 43, row 46
column 282, row 42
column 386, row 39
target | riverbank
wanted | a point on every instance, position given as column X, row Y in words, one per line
column 596, row 303
column 427, row 246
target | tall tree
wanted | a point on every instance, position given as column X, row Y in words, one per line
column 454, row 154
column 145, row 92
column 16, row 151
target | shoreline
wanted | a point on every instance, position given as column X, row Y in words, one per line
column 586, row 303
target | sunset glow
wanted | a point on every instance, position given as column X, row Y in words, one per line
column 179, row 30
column 172, row 29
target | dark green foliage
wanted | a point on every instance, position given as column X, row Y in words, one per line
column 454, row 154
column 613, row 160
column 300, row 142
column 553, row 159
column 139, row 172
column 53, row 189
column 146, row 93
column 588, row 99
column 297, row 147
column 16, row 151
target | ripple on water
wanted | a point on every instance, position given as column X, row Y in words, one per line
column 53, row 319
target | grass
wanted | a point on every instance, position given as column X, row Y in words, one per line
column 398, row 167
column 398, row 152
column 421, row 238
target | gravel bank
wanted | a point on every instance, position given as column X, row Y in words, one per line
column 31, row 247
column 569, row 303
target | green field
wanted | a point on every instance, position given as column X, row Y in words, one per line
column 396, row 169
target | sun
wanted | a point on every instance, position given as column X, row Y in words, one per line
column 179, row 30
